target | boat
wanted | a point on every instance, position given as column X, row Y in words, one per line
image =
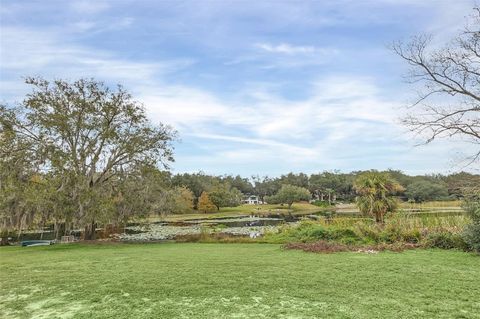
column 29, row 243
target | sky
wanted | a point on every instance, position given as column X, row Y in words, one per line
column 252, row 87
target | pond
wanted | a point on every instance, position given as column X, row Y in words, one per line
column 241, row 225
column 235, row 226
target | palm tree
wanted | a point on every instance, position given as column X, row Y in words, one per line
column 375, row 192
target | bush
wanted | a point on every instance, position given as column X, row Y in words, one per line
column 413, row 236
column 394, row 233
column 471, row 235
column 343, row 233
column 369, row 233
column 311, row 231
column 445, row 240
column 318, row 232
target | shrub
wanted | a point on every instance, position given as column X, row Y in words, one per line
column 413, row 236
column 318, row 232
column 399, row 230
column 445, row 240
column 311, row 231
column 391, row 234
column 471, row 234
column 343, row 233
column 369, row 233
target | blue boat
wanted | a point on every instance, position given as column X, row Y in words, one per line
column 36, row 243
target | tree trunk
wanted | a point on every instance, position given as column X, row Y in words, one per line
column 21, row 228
column 290, row 209
column 89, row 233
column 42, row 229
column 55, row 229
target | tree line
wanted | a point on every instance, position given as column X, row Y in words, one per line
column 332, row 186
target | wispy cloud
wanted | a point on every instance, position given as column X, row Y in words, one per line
column 285, row 48
column 31, row 52
column 88, row 7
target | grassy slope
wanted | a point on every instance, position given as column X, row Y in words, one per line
column 234, row 281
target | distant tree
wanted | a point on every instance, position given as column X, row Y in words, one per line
column 223, row 195
column 205, row 205
column 375, row 192
column 196, row 182
column 289, row 194
column 421, row 191
column 240, row 183
column 460, row 184
column 300, row 180
column 402, row 178
column 265, row 186
column 330, row 185
column 183, row 200
column 448, row 105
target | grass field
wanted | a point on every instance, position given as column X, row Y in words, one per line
column 234, row 281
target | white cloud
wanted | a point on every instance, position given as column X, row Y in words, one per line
column 271, row 145
column 89, row 7
column 286, row 48
column 28, row 52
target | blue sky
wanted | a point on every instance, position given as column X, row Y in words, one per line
column 253, row 87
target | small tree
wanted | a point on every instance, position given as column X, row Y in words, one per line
column 205, row 205
column 223, row 195
column 289, row 194
column 375, row 192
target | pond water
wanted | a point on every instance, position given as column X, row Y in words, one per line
column 235, row 226
column 246, row 225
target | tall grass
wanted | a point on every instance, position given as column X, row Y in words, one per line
column 433, row 204
column 398, row 228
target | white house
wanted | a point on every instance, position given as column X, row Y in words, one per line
column 252, row 200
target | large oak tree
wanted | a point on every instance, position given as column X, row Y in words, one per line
column 87, row 135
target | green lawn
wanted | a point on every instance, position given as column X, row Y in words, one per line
column 234, row 281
